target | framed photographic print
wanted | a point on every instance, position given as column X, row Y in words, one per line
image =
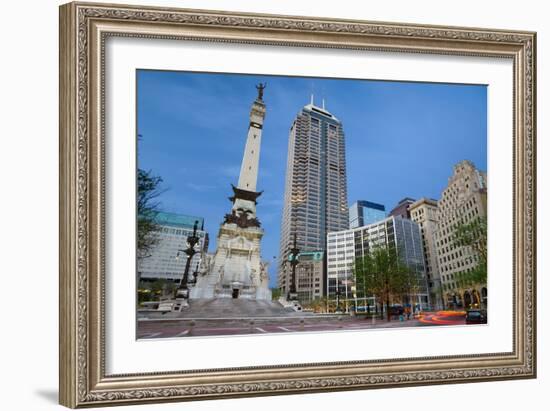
column 259, row 204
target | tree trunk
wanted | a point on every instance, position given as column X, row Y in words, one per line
column 388, row 307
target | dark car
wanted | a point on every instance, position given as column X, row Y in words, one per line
column 476, row 317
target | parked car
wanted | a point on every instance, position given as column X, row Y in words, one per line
column 296, row 306
column 476, row 316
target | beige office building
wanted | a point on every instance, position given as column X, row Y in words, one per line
column 424, row 212
column 463, row 201
column 309, row 276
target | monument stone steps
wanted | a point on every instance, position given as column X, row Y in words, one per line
column 234, row 308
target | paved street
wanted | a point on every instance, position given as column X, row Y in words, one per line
column 175, row 328
column 443, row 318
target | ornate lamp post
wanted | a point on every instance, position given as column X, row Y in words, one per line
column 195, row 274
column 183, row 290
column 293, row 258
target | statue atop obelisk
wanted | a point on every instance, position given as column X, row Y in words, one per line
column 237, row 270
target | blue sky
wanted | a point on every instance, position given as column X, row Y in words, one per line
column 402, row 138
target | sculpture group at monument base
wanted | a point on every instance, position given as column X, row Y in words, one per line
column 235, row 270
column 235, row 290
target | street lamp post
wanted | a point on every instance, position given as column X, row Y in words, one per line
column 294, row 251
column 183, row 290
column 354, row 294
column 195, row 274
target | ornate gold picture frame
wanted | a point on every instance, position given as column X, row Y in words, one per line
column 84, row 30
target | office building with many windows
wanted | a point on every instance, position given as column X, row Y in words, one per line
column 365, row 212
column 463, row 201
column 315, row 200
column 309, row 276
column 424, row 213
column 167, row 260
column 345, row 247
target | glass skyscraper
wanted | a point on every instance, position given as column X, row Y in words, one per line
column 315, row 201
column 365, row 212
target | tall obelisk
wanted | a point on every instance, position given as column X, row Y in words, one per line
column 236, row 270
column 251, row 157
column 245, row 194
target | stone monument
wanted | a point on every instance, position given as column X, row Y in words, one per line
column 236, row 270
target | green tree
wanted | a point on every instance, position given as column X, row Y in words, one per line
column 413, row 285
column 437, row 294
column 473, row 236
column 162, row 287
column 381, row 274
column 276, row 293
column 148, row 190
column 320, row 305
column 156, row 290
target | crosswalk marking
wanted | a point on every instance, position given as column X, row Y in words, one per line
column 261, row 329
column 183, row 333
column 283, row 328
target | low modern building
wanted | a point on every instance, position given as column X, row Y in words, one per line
column 463, row 201
column 340, row 261
column 167, row 260
column 402, row 208
column 365, row 212
column 424, row 212
column 345, row 247
column 309, row 276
